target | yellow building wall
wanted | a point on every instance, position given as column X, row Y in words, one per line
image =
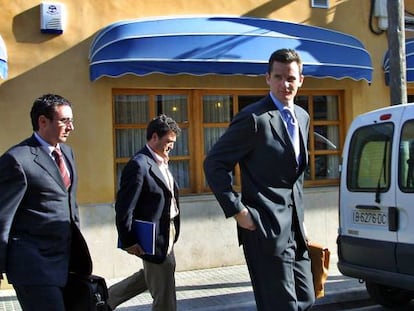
column 42, row 63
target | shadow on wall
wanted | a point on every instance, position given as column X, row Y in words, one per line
column 267, row 8
column 26, row 27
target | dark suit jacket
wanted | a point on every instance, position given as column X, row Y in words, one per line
column 39, row 220
column 271, row 182
column 144, row 195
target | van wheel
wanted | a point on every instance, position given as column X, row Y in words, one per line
column 388, row 296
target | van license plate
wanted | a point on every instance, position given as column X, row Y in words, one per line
column 370, row 218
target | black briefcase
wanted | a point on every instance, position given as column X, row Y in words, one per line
column 85, row 293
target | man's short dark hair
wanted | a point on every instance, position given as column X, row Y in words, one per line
column 285, row 56
column 46, row 106
column 162, row 125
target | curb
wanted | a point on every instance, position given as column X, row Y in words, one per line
column 343, row 296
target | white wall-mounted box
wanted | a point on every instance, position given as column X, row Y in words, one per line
column 52, row 17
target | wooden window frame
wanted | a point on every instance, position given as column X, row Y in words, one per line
column 196, row 126
column 311, row 146
column 152, row 93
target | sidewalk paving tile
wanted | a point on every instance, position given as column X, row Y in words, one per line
column 219, row 289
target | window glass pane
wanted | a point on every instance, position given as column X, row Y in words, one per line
column 217, row 108
column 119, row 168
column 326, row 137
column 246, row 100
column 326, row 167
column 325, row 108
column 129, row 141
column 406, row 158
column 302, row 101
column 370, row 158
column 211, row 135
column 131, row 109
column 181, row 145
column 174, row 106
column 181, row 173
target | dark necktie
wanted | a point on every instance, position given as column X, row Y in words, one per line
column 293, row 130
column 57, row 154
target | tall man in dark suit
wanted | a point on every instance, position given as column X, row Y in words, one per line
column 148, row 192
column 269, row 212
column 40, row 239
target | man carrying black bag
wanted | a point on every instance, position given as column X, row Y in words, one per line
column 40, row 240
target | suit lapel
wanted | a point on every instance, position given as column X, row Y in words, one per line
column 45, row 161
column 278, row 125
column 302, row 120
column 303, row 130
column 155, row 168
column 42, row 159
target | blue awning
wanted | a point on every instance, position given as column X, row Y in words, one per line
column 222, row 45
column 3, row 59
column 409, row 62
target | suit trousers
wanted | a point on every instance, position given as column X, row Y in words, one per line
column 159, row 279
column 280, row 282
column 40, row 298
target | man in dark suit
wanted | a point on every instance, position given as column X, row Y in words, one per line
column 269, row 212
column 40, row 239
column 148, row 192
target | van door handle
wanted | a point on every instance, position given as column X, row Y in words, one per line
column 392, row 218
column 371, row 207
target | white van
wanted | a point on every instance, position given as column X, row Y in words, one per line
column 376, row 204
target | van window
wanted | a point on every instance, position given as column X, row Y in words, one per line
column 369, row 161
column 406, row 158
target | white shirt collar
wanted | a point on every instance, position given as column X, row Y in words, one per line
column 160, row 160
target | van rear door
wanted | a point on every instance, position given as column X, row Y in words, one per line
column 405, row 194
column 367, row 233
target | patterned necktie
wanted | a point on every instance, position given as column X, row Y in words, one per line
column 293, row 130
column 57, row 154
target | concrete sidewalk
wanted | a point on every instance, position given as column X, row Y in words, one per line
column 225, row 288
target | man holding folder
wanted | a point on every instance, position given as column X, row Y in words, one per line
column 149, row 194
